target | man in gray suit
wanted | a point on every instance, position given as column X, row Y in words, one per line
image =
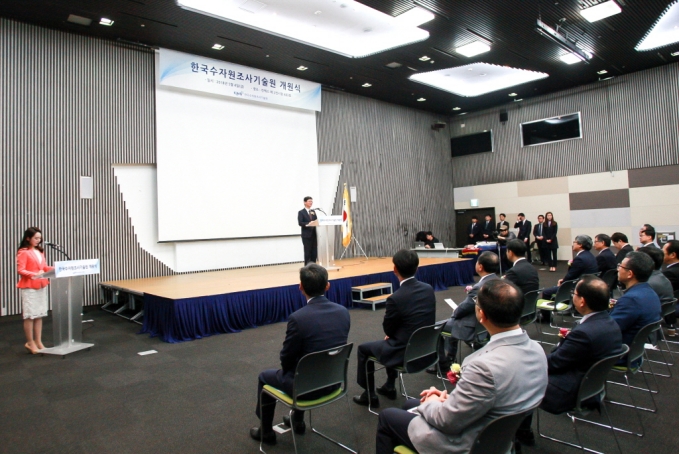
column 462, row 323
column 507, row 376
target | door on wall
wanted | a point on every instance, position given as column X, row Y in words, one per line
column 464, row 217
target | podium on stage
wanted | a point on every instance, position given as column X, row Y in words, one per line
column 325, row 237
column 66, row 294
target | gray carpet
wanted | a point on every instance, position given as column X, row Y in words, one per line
column 199, row 396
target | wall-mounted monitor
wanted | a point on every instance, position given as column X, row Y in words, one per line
column 548, row 130
column 481, row 142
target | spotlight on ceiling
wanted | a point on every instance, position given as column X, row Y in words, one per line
column 563, row 41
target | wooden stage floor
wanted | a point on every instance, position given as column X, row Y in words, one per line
column 244, row 279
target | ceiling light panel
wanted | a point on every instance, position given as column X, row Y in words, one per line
column 347, row 28
column 79, row 20
column 472, row 49
column 570, row 59
column 600, row 11
column 476, row 79
column 664, row 32
column 105, row 21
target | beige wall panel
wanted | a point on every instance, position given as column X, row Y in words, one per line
column 543, row 186
column 463, row 205
column 667, row 196
column 654, row 215
column 487, row 192
column 463, row 194
column 604, row 181
column 565, row 237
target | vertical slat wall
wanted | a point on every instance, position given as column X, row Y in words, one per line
column 71, row 106
column 400, row 166
column 628, row 122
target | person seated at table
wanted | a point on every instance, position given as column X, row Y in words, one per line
column 583, row 263
column 430, row 241
column 505, row 235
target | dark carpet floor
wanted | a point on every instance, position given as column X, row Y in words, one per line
column 199, row 396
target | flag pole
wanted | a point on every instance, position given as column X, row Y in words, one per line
column 348, row 237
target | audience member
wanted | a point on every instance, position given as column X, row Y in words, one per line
column 462, row 323
column 507, row 376
column 319, row 325
column 639, row 305
column 658, row 282
column 502, row 222
column 647, row 236
column 524, row 227
column 522, row 273
column 488, row 228
column 410, row 307
column 596, row 337
column 430, row 241
column 605, row 260
column 474, row 231
column 671, row 258
column 540, row 239
column 503, row 237
column 583, row 263
column 621, row 242
column 549, row 231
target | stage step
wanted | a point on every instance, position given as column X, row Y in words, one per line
column 371, row 293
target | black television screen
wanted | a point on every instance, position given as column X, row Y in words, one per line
column 555, row 129
column 481, row 142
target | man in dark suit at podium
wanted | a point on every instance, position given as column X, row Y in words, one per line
column 305, row 216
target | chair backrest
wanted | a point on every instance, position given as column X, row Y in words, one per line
column 422, row 343
column 530, row 299
column 498, row 436
column 322, row 369
column 594, row 381
column 610, row 277
column 676, row 294
column 636, row 348
column 563, row 294
column 668, row 308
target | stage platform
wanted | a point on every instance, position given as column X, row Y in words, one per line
column 191, row 306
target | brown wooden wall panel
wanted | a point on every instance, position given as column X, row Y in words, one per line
column 653, row 176
column 616, row 198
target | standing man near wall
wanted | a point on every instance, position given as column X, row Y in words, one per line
column 524, row 233
column 539, row 239
column 305, row 219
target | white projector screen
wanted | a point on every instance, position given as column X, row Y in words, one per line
column 229, row 168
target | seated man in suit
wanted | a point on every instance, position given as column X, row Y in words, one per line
column 658, row 282
column 647, row 236
column 605, row 260
column 502, row 222
column 671, row 259
column 583, row 263
column 596, row 337
column 462, row 323
column 621, row 242
column 318, row 326
column 474, row 232
column 507, row 376
column 639, row 305
column 522, row 273
column 409, row 308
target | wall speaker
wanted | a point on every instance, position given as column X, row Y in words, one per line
column 504, row 116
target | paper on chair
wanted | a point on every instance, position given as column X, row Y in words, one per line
column 451, row 303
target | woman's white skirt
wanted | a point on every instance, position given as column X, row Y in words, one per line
column 34, row 302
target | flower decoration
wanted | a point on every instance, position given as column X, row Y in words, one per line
column 454, row 373
column 570, row 262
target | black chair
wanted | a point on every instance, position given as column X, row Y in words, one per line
column 593, row 384
column 317, row 371
column 610, row 277
column 560, row 305
column 530, row 311
column 422, row 344
column 496, row 438
column 666, row 309
column 637, row 352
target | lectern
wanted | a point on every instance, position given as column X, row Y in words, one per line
column 325, row 237
column 66, row 294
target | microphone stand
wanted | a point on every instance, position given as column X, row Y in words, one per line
column 58, row 248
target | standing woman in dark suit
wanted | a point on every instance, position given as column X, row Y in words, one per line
column 549, row 231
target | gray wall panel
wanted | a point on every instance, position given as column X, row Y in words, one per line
column 628, row 122
column 399, row 165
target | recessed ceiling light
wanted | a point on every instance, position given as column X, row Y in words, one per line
column 674, row 54
column 664, row 31
column 302, row 68
column 72, row 18
column 603, row 71
column 104, row 21
column 464, row 83
column 456, row 108
column 472, row 49
column 218, row 47
column 600, row 11
column 366, row 85
column 393, row 65
column 463, row 113
column 518, row 100
column 415, row 16
column 421, row 99
column 424, row 58
column 512, row 94
column 337, row 32
column 570, row 58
